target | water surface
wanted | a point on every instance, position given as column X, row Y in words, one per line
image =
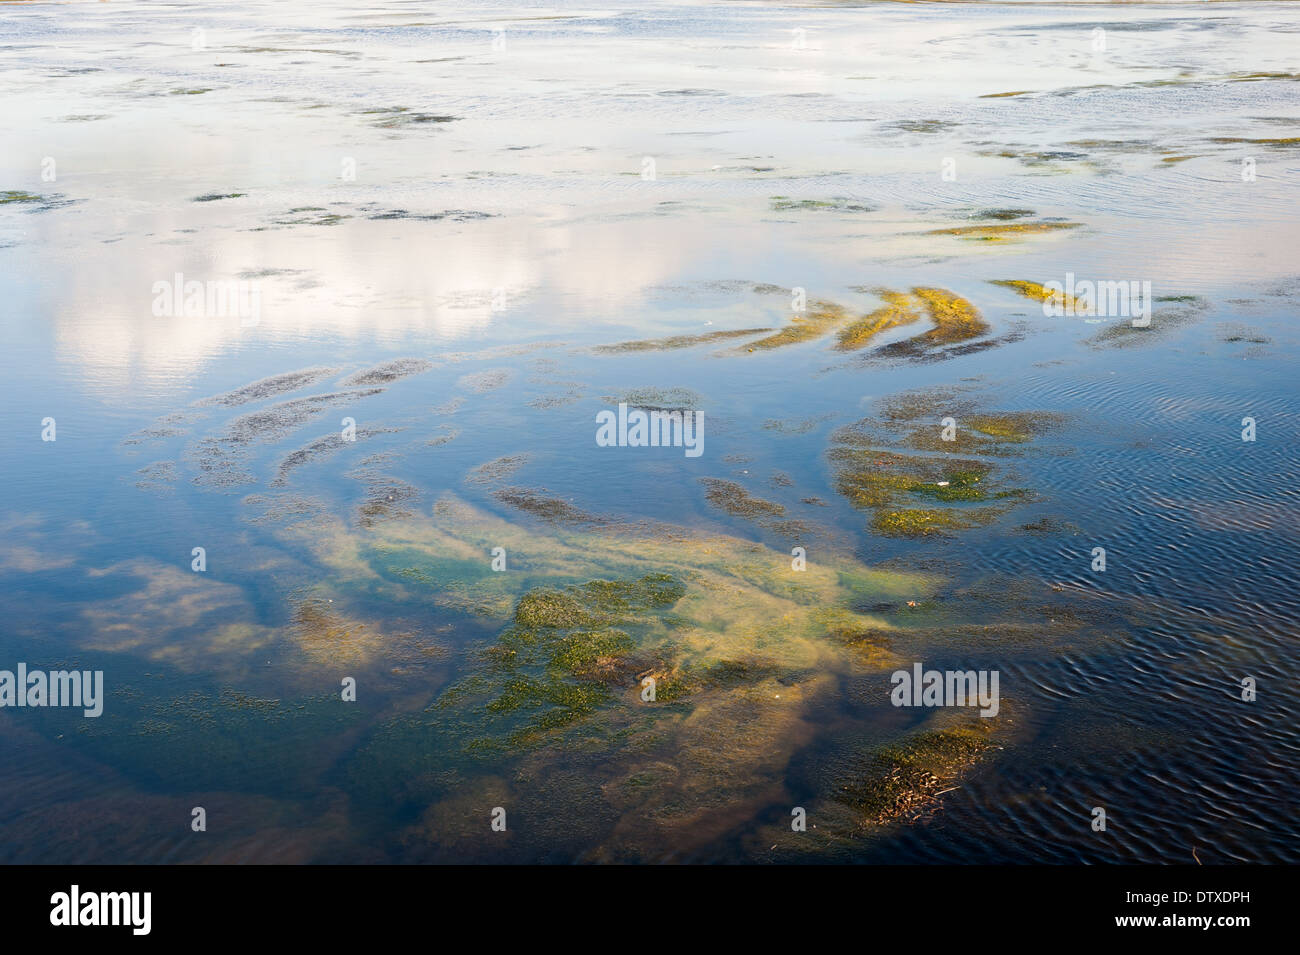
column 472, row 228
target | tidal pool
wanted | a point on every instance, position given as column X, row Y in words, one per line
column 336, row 528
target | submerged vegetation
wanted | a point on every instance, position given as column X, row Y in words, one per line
column 817, row 322
column 903, row 489
column 738, row 502
column 31, row 202
column 786, row 204
column 648, row 673
column 559, row 660
column 546, row 507
column 647, row 676
column 1172, row 313
column 899, row 309
column 954, row 320
column 1038, row 292
column 735, row 645
column 681, row 341
column 903, row 778
column 1003, row 231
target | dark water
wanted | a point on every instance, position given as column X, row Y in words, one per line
column 454, row 293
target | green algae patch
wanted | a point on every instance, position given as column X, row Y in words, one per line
column 398, row 117
column 785, row 204
column 873, row 645
column 675, row 342
column 961, row 485
column 222, row 460
column 558, row 662
column 899, row 309
column 596, row 602
column 867, row 785
column 653, row 682
column 995, row 433
column 496, row 470
column 310, row 215
column 1038, row 292
column 955, row 319
column 916, row 420
column 924, row 125
column 735, row 500
column 884, row 482
column 1002, row 231
column 867, row 489
column 572, row 655
column 734, row 641
column 794, row 426
column 387, row 372
column 936, row 492
column 924, row 522
column 1001, row 215
column 592, row 654
column 1178, row 312
column 269, row 387
column 549, row 608
column 37, row 203
column 1277, row 143
column 902, row 779
column 820, row 320
column 547, row 507
column 659, row 399
column 873, row 478
column 386, row 498
column 689, row 679
column 1004, row 427
column 1261, row 76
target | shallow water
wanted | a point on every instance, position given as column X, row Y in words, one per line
column 472, row 228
